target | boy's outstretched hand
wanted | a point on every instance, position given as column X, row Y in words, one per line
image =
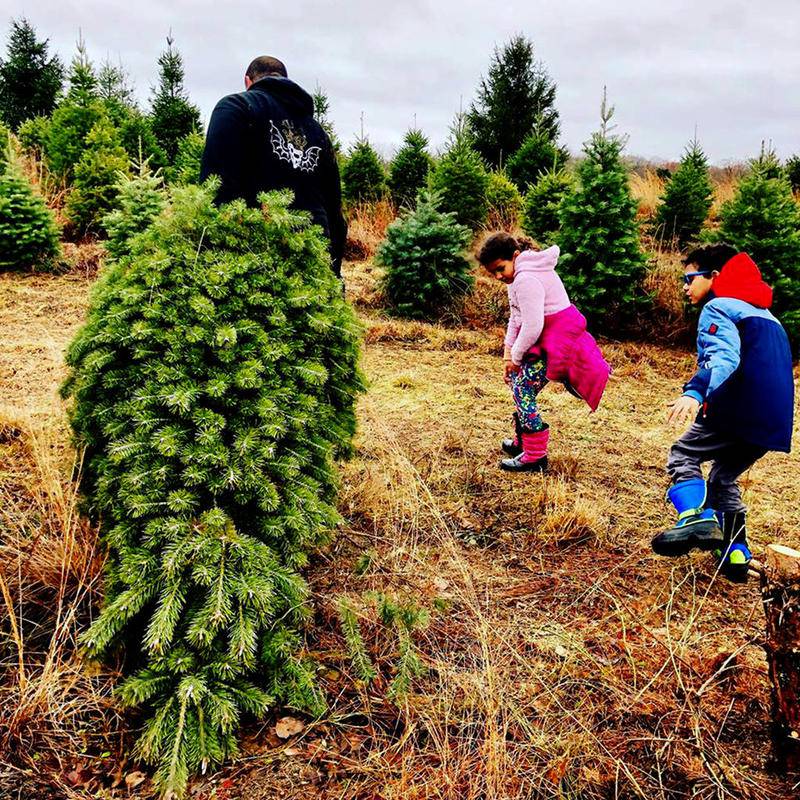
column 682, row 410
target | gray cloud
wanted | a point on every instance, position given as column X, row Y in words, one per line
column 728, row 67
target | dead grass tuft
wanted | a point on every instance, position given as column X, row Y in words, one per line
column 647, row 189
column 366, row 228
column 724, row 190
column 58, row 712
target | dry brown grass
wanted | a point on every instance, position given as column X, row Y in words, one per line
column 647, row 189
column 724, row 190
column 567, row 662
column 59, row 717
column 57, row 713
column 366, row 228
column 571, row 662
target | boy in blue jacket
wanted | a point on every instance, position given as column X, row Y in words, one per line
column 742, row 396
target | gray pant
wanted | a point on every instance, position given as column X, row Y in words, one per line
column 731, row 457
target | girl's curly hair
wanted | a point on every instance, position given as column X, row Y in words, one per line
column 503, row 245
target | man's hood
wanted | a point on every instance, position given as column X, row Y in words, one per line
column 296, row 99
column 537, row 260
column 741, row 279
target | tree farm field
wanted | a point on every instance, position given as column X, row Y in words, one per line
column 559, row 658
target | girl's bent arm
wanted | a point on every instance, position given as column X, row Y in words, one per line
column 530, row 296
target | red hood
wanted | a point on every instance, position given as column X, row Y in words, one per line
column 741, row 279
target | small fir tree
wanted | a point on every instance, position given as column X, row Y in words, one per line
column 32, row 135
column 172, row 115
column 538, row 155
column 423, row 254
column 113, row 85
column 793, row 172
column 140, row 199
column 83, row 86
column 540, row 218
column 363, row 175
column 30, row 80
column 65, row 138
column 410, row 169
column 28, row 230
column 212, row 387
column 763, row 220
column 75, row 117
column 687, row 198
column 504, row 201
column 461, row 180
column 6, row 145
column 186, row 169
column 94, row 189
column 321, row 109
column 137, row 138
column 515, row 98
column 602, row 263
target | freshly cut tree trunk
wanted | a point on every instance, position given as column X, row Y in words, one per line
column 780, row 593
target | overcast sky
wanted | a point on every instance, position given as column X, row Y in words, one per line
column 731, row 68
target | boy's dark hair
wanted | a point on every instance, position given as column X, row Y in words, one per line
column 263, row 66
column 502, row 245
column 710, row 257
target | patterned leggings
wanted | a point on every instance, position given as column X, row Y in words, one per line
column 525, row 386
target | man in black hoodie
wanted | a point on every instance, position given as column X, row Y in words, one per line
column 267, row 138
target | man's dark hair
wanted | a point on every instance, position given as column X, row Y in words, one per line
column 502, row 245
column 264, row 66
column 710, row 257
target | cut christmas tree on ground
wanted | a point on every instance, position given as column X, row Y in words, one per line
column 213, row 388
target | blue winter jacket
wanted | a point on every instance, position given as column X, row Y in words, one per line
column 744, row 379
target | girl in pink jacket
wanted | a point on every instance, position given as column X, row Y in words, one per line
column 546, row 340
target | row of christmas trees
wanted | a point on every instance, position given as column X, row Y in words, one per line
column 503, row 166
column 86, row 127
column 592, row 215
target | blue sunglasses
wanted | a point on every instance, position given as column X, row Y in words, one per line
column 690, row 276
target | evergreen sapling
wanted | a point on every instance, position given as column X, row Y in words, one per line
column 460, row 179
column 186, row 168
column 173, row 116
column 516, row 98
column 75, row 117
column 602, row 263
column 537, row 155
column 28, row 230
column 504, row 202
column 363, row 176
column 140, row 199
column 30, row 80
column 687, row 198
column 793, row 172
column 423, row 255
column 409, row 169
column 540, row 218
column 763, row 220
column 94, row 189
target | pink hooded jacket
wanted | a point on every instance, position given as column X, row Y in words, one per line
column 544, row 322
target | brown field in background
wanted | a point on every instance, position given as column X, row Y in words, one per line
column 564, row 660
column 647, row 188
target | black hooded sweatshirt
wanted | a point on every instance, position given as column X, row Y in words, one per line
column 267, row 138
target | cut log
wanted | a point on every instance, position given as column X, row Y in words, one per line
column 780, row 594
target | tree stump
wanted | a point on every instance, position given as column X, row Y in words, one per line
column 780, row 594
